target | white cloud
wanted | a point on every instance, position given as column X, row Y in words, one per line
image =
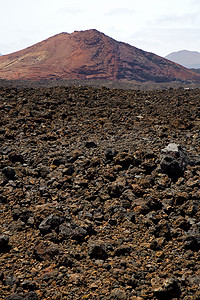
column 166, row 40
column 120, row 12
column 69, row 11
column 153, row 25
column 189, row 20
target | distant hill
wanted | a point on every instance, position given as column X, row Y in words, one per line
column 196, row 70
column 90, row 54
column 186, row 58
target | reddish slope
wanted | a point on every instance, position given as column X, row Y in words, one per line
column 89, row 54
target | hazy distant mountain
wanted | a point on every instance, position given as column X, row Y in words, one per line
column 196, row 70
column 186, row 58
column 90, row 54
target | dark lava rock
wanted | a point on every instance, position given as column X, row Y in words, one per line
column 110, row 154
column 44, row 250
column 90, row 144
column 173, row 160
column 11, row 280
column 75, row 232
column 169, row 290
column 65, row 261
column 192, row 242
column 4, row 240
column 118, row 294
column 32, row 296
column 122, row 250
column 162, row 229
column 9, row 172
column 15, row 157
column 98, row 251
column 89, row 213
column 51, row 222
column 28, row 285
column 68, row 171
column 65, row 230
column 79, row 233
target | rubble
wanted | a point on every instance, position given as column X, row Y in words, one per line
column 91, row 206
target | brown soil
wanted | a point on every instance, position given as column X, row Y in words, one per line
column 87, row 212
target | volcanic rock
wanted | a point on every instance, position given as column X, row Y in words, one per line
column 4, row 240
column 173, row 160
column 104, row 221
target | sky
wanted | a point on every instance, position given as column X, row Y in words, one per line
column 158, row 26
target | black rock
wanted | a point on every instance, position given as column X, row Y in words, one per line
column 173, row 160
column 122, row 250
column 11, row 280
column 3, row 199
column 51, row 222
column 9, row 172
column 79, row 233
column 32, row 296
column 68, row 171
column 74, row 232
column 162, row 229
column 4, row 240
column 90, row 144
column 169, row 290
column 192, row 242
column 109, row 154
column 98, row 251
column 58, row 161
column 15, row 157
column 154, row 245
column 28, row 285
column 65, row 261
column 65, row 230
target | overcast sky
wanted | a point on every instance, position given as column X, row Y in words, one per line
column 159, row 26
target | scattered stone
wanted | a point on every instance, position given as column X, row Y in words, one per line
column 51, row 222
column 122, row 250
column 4, row 240
column 98, row 251
column 32, row 296
column 169, row 290
column 44, row 250
column 11, row 280
column 86, row 211
column 15, row 157
column 90, row 144
column 28, row 285
column 118, row 294
column 110, row 154
column 173, row 160
column 192, row 242
column 9, row 172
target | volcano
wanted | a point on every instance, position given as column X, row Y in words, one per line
column 90, row 54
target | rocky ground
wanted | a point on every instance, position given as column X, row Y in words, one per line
column 91, row 205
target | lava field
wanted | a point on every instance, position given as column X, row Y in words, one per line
column 99, row 193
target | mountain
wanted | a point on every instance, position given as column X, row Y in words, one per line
column 188, row 59
column 196, row 70
column 90, row 54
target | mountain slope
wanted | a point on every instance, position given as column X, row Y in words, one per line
column 188, row 59
column 89, row 54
